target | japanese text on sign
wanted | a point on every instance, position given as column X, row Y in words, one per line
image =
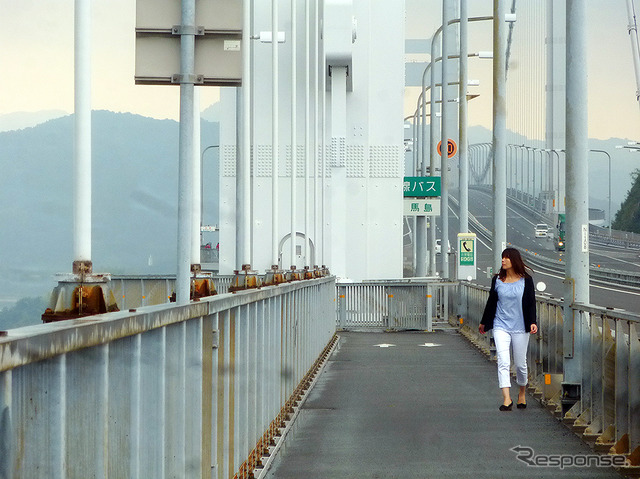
column 421, row 186
column 421, row 207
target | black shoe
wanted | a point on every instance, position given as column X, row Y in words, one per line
column 506, row 408
column 521, row 405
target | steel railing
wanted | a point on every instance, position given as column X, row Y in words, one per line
column 161, row 391
column 603, row 406
column 393, row 304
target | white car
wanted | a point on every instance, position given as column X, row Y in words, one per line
column 541, row 230
column 439, row 246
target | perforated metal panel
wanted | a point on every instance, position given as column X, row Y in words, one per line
column 356, row 161
column 264, row 163
column 385, row 161
column 299, row 162
column 338, row 151
column 228, row 160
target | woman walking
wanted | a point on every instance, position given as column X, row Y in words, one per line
column 511, row 313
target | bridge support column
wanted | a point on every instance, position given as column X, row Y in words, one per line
column 577, row 270
column 499, row 132
column 338, row 170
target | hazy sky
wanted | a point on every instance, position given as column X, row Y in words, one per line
column 36, row 56
column 613, row 109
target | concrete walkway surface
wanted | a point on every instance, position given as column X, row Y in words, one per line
column 423, row 406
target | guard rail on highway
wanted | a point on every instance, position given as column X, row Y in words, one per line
column 604, row 274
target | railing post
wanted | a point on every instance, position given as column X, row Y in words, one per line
column 342, row 306
column 6, row 453
column 429, row 307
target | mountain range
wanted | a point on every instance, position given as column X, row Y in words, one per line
column 134, row 199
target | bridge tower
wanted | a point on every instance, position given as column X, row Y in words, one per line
column 354, row 154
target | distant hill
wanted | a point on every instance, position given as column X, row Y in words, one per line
column 134, row 205
column 23, row 119
column 628, row 216
column 212, row 113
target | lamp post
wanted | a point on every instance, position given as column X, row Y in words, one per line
column 511, row 170
column 550, row 173
column 420, row 129
column 202, row 186
column 609, row 161
column 522, row 150
column 551, row 185
column 531, row 179
column 420, row 161
column 433, row 141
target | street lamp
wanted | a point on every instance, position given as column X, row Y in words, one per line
column 512, row 170
column 202, row 186
column 556, row 152
column 433, row 142
column 609, row 159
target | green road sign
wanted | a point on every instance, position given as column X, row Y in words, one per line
column 421, row 186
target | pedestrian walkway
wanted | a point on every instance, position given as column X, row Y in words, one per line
column 420, row 405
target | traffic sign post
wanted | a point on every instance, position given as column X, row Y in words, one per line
column 466, row 256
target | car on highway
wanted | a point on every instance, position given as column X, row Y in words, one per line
column 439, row 246
column 541, row 230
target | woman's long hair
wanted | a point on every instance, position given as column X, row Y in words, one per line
column 518, row 265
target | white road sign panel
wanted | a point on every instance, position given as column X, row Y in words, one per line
column 421, row 207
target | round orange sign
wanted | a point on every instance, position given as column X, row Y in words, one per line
column 452, row 148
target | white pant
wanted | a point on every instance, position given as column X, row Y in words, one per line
column 520, row 343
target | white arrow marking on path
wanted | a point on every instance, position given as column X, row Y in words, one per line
column 384, row 345
column 430, row 345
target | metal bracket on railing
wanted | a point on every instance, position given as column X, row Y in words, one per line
column 79, row 295
column 570, row 396
column 245, row 279
column 274, row 276
column 307, row 273
column 292, row 275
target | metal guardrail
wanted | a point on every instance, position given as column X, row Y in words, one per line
column 162, row 391
column 393, row 305
column 607, row 414
column 628, row 278
column 617, row 238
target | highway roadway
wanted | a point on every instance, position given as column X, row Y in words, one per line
column 520, row 234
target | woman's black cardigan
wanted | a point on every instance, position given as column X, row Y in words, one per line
column 528, row 304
